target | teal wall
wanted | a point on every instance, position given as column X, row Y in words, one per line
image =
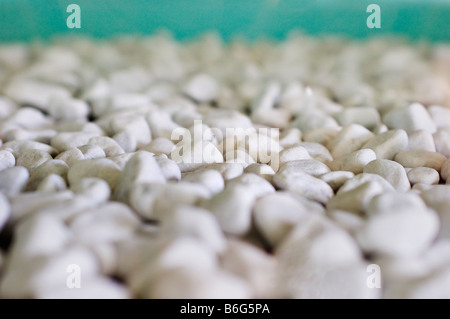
column 416, row 19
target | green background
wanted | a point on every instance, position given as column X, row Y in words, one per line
column 415, row 19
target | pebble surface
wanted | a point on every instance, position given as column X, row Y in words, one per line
column 98, row 174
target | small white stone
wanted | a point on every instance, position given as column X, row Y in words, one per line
column 421, row 140
column 52, row 183
column 254, row 265
column 290, row 137
column 197, row 284
column 336, row 178
column 321, row 135
column 440, row 115
column 228, row 170
column 423, row 175
column 391, row 171
column 438, row 198
column 309, row 166
column 126, row 140
column 348, row 221
column 360, row 179
column 355, row 161
column 30, row 159
column 32, row 202
column 7, row 160
column 96, row 190
column 211, row 179
column 122, row 159
column 17, row 147
column 232, row 208
column 293, row 153
column 32, row 92
column 109, row 146
column 169, row 168
column 153, row 200
column 33, row 278
column 141, row 168
column 194, row 222
column 71, row 156
column 13, row 180
column 316, row 258
column 276, row 214
column 191, row 156
column 67, row 140
column 303, row 184
column 136, row 127
column 313, row 119
column 364, row 116
column 37, row 175
column 388, row 144
column 442, row 141
column 110, row 223
column 256, row 185
column 102, row 168
column 351, row 138
column 91, row 151
column 317, row 151
column 411, row 118
column 227, row 119
column 66, row 108
column 29, row 118
column 263, row 170
column 398, row 225
column 159, row 145
column 201, row 87
column 356, row 199
column 418, row 158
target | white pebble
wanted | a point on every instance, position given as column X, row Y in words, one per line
column 102, row 168
column 194, row 222
column 309, row 166
column 411, row 118
column 387, row 145
column 442, row 141
column 7, row 160
column 276, row 214
column 336, row 178
column 52, row 183
column 30, row 159
column 364, row 116
column 398, row 225
column 13, row 180
column 351, row 138
column 232, row 208
column 303, row 184
column 91, row 151
column 71, row 156
column 141, row 168
column 211, row 179
column 391, row 171
column 355, row 161
column 159, row 145
column 418, row 158
column 421, row 140
column 37, row 175
column 109, row 146
column 424, row 175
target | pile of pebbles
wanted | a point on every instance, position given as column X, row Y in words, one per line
column 88, row 182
